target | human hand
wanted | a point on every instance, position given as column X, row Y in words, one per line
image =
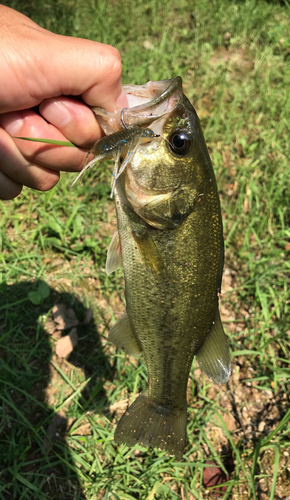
column 40, row 68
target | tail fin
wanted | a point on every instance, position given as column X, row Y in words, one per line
column 150, row 424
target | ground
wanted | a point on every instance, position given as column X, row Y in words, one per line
column 59, row 412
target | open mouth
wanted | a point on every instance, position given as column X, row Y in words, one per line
column 149, row 105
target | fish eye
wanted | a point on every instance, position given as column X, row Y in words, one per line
column 180, row 143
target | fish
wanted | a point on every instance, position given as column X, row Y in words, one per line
column 170, row 244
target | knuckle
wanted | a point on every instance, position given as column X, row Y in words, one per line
column 46, row 180
column 114, row 63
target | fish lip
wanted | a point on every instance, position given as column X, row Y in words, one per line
column 145, row 114
column 156, row 89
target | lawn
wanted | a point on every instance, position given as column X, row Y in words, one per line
column 58, row 414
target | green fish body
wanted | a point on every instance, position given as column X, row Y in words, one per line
column 170, row 241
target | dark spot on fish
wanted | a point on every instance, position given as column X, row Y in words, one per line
column 177, row 218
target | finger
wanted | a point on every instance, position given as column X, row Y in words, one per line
column 20, row 170
column 29, row 124
column 73, row 118
column 9, row 189
column 96, row 75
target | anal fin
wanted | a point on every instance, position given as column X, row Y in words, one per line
column 213, row 356
column 123, row 336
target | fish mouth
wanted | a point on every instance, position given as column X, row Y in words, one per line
column 149, row 105
column 154, row 101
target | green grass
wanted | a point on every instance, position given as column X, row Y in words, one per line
column 234, row 58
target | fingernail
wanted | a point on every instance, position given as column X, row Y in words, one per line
column 122, row 101
column 57, row 114
column 11, row 122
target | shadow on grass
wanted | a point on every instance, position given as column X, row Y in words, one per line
column 35, row 461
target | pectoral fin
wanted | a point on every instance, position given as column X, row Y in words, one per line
column 149, row 253
column 213, row 356
column 147, row 250
column 114, row 255
column 124, row 337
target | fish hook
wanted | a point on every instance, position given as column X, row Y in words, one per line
column 126, row 126
column 122, row 118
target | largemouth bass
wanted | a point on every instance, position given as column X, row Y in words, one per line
column 170, row 243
